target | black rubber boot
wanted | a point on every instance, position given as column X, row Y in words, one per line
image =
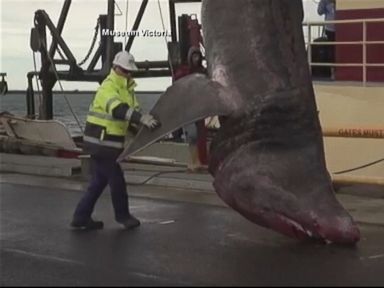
column 130, row 223
column 89, row 225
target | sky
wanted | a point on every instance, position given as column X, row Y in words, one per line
column 16, row 21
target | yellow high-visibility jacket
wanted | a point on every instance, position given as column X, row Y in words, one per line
column 102, row 128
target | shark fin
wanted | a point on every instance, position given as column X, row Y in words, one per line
column 189, row 99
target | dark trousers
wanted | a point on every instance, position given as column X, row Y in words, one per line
column 104, row 172
column 331, row 36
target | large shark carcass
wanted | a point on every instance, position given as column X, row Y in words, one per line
column 267, row 159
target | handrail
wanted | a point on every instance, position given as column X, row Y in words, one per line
column 347, row 64
column 346, row 43
column 361, row 20
column 363, row 42
column 354, row 132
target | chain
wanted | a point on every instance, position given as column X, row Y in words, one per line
column 92, row 44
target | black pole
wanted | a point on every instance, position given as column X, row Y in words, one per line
column 110, row 26
column 152, row 73
column 136, row 24
column 103, row 39
column 60, row 26
column 46, row 105
column 56, row 35
column 172, row 16
column 99, row 77
column 152, row 64
column 30, row 97
column 94, row 60
column 187, row 1
column 47, row 83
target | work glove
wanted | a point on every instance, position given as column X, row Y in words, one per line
column 149, row 121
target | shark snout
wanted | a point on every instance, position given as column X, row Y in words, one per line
column 288, row 199
column 330, row 226
column 304, row 226
column 337, row 229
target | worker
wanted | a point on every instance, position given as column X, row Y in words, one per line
column 192, row 131
column 114, row 109
column 194, row 59
column 193, row 65
column 327, row 8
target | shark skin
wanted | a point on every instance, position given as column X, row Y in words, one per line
column 267, row 159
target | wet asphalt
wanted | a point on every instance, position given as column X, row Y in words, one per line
column 178, row 244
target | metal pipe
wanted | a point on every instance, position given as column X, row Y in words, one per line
column 103, row 39
column 152, row 73
column 30, row 95
column 136, row 24
column 61, row 62
column 322, row 23
column 57, row 36
column 172, row 19
column 152, row 64
column 364, row 53
column 40, row 23
column 60, row 26
column 41, row 19
column 47, row 106
column 353, row 180
column 94, row 60
column 309, row 53
column 99, row 75
column 187, row 1
column 110, row 25
column 354, row 132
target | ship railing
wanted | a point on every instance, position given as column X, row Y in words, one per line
column 364, row 42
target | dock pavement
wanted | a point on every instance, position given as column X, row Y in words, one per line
column 188, row 236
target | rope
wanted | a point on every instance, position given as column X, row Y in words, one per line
column 186, row 170
column 62, row 90
column 126, row 23
column 165, row 38
column 92, row 44
column 359, row 167
column 155, row 175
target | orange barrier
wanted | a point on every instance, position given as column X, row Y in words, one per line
column 354, row 132
column 353, row 180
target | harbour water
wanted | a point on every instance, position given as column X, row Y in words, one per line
column 15, row 103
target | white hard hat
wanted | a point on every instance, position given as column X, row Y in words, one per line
column 125, row 60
